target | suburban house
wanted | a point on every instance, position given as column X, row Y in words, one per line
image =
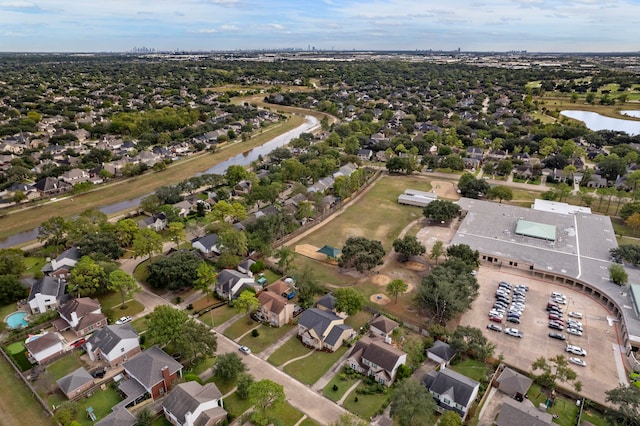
column 274, row 309
column 441, row 353
column 75, row 176
column 245, row 266
column 120, row 416
column 382, row 326
column 152, row 373
column 365, row 154
column 207, row 244
column 230, row 283
column 513, row 412
column 327, row 303
column 192, row 404
column 62, row 265
column 157, row 222
column 83, row 315
column 44, row 347
column 514, row 384
column 114, row 344
column 46, row 294
column 76, row 382
column 323, row 330
column 451, row 390
column 377, row 359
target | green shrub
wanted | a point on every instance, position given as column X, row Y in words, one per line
column 192, row 378
column 255, row 332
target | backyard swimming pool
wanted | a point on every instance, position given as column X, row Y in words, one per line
column 16, row 320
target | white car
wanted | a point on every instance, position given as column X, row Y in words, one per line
column 245, row 350
column 513, row 332
column 575, row 315
column 576, row 350
column 574, row 331
column 124, row 320
column 577, row 361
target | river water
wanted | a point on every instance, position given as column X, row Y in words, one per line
column 595, row 121
column 243, row 159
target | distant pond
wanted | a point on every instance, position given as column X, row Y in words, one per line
column 595, row 121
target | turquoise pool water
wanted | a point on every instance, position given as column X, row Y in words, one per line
column 16, row 320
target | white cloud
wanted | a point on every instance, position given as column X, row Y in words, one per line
column 206, row 31
column 227, row 27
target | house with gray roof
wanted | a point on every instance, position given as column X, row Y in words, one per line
column 514, row 384
column 230, row 283
column 62, row 265
column 451, row 391
column 441, row 353
column 513, row 412
column 82, row 315
column 46, row 294
column 153, row 372
column 375, row 358
column 76, row 382
column 192, row 404
column 207, row 244
column 114, row 344
column 382, row 326
column 323, row 329
column 120, row 416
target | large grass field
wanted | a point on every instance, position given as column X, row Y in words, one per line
column 564, row 103
column 24, row 219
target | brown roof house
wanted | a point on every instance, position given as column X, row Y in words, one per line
column 114, row 344
column 83, row 315
column 323, row 330
column 152, row 371
column 382, row 326
column 376, row 359
column 76, row 382
column 192, row 404
column 44, row 347
column 274, row 309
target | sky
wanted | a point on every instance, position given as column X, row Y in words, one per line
column 192, row 25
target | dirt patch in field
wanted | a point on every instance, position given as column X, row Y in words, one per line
column 444, row 189
column 311, row 251
column 380, row 299
column 416, row 266
column 381, row 279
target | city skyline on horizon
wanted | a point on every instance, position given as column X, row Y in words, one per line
column 227, row 25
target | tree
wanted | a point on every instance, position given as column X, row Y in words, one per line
column 12, row 262
column 146, row 242
column 633, row 221
column 446, row 292
column 437, row 250
column 285, row 256
column 103, row 245
column 144, row 418
column 11, row 289
column 176, row 233
column 396, row 287
column 471, row 187
column 206, row 277
column 235, row 174
column 361, row 253
column 246, row 303
column 348, row 300
column 441, row 210
column 612, row 166
column 87, row 277
column 471, row 341
column 450, row 418
column 464, row 253
column 552, row 369
column 627, row 401
column 126, row 230
column 53, row 232
column 124, row 283
column 630, row 208
column 412, row 404
column 501, row 193
column 629, row 253
column 233, row 241
column 308, row 285
column 229, row 366
column 348, row 419
column 173, row 326
column 265, row 394
column 244, row 382
column 409, row 246
column 175, row 272
column 618, row 275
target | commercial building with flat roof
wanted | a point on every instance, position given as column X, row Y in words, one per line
column 578, row 255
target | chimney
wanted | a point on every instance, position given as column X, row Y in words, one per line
column 167, row 378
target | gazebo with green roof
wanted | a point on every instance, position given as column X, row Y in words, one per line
column 329, row 251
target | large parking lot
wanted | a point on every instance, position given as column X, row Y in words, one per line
column 604, row 368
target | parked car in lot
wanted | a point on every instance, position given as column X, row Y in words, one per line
column 576, row 350
column 551, row 306
column 577, row 361
column 555, row 317
column 522, row 287
column 244, row 350
column 561, row 301
column 513, row 332
column 558, row 336
column 555, row 325
column 505, row 284
column 574, row 324
column 574, row 314
column 574, row 331
column 498, row 319
column 513, row 319
column 494, row 327
column 124, row 320
column 98, row 374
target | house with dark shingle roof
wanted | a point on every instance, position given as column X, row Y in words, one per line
column 114, row 344
column 44, row 347
column 83, row 315
column 46, row 294
column 522, row 413
column 382, row 326
column 514, row 384
column 62, row 265
column 120, row 416
column 322, row 329
column 192, row 404
column 451, row 391
column 441, row 353
column 230, row 283
column 207, row 244
column 76, row 382
column 376, row 359
column 153, row 370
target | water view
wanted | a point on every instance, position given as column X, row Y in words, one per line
column 595, row 121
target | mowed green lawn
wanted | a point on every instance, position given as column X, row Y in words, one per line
column 292, row 348
column 267, row 337
column 309, row 369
